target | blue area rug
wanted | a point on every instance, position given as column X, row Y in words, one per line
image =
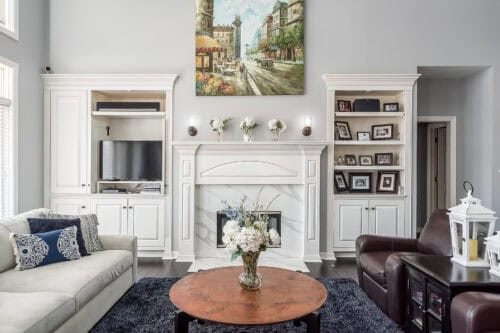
column 147, row 308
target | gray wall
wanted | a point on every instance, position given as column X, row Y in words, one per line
column 31, row 52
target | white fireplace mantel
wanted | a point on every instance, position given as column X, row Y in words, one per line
column 254, row 163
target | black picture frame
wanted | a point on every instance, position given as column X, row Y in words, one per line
column 391, row 107
column 345, row 136
column 362, row 157
column 354, row 184
column 350, row 160
column 274, row 222
column 344, row 106
column 359, row 135
column 379, row 156
column 341, row 184
column 381, row 182
column 378, row 137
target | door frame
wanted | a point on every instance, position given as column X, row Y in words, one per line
column 451, row 153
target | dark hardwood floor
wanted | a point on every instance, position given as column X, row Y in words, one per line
column 345, row 268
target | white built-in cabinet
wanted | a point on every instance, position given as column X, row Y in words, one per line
column 68, row 142
column 73, row 130
column 351, row 213
column 355, row 217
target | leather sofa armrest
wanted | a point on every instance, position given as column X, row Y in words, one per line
column 473, row 312
column 128, row 243
column 372, row 243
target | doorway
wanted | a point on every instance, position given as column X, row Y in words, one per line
column 436, row 166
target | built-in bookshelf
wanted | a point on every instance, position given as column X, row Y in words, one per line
column 369, row 177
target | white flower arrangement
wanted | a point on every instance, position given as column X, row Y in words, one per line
column 247, row 230
column 218, row 125
column 277, row 125
column 248, row 124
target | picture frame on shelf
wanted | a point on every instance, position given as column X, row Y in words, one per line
column 340, row 182
column 343, row 130
column 360, row 182
column 387, row 182
column 363, row 136
column 344, row 106
column 350, row 160
column 383, row 132
column 365, row 160
column 391, row 107
column 384, row 159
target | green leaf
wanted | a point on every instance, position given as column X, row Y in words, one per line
column 234, row 256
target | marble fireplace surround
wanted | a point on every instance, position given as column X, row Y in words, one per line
column 256, row 163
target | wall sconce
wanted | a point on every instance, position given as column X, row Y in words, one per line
column 192, row 130
column 307, row 130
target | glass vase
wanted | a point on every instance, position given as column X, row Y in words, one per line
column 250, row 279
column 275, row 135
column 247, row 137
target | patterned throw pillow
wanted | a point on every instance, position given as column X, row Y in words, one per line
column 88, row 224
column 39, row 225
column 33, row 250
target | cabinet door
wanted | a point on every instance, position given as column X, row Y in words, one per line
column 70, row 206
column 350, row 221
column 146, row 220
column 386, row 217
column 112, row 215
column 68, row 142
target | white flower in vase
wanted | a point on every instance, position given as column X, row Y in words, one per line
column 218, row 125
column 250, row 239
column 276, row 126
column 247, row 125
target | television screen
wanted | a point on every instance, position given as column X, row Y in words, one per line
column 131, row 160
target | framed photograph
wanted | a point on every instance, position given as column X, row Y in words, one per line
column 365, row 160
column 363, row 136
column 391, row 107
column 383, row 132
column 350, row 160
column 384, row 159
column 360, row 182
column 343, row 130
column 387, row 181
column 344, row 106
column 340, row 182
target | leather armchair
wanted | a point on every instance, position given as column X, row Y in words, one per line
column 475, row 312
column 381, row 273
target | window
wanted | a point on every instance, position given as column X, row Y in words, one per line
column 9, row 18
column 8, row 141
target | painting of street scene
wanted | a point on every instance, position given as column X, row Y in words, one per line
column 247, row 48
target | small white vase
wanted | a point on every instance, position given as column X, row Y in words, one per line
column 247, row 137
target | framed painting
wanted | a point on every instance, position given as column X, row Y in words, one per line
column 249, row 48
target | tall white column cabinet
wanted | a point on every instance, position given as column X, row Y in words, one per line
column 361, row 148
column 73, row 131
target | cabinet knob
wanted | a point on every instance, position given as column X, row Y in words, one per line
column 130, row 207
column 124, row 207
column 83, row 207
column 373, row 208
column 83, row 185
column 366, row 208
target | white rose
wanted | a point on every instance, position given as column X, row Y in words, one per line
column 232, row 227
column 217, row 123
column 272, row 124
column 250, row 121
column 275, row 237
column 283, row 126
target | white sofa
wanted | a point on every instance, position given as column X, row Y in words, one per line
column 69, row 296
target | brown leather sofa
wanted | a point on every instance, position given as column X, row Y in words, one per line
column 381, row 272
column 475, row 312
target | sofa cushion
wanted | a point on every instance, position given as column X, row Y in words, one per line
column 82, row 279
column 17, row 224
column 373, row 263
column 38, row 225
column 34, row 312
column 34, row 250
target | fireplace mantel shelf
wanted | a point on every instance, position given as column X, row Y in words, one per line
column 253, row 143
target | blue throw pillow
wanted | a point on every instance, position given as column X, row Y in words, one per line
column 33, row 250
column 38, row 225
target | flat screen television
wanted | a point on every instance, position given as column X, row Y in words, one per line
column 131, row 160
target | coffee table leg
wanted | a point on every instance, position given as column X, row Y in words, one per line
column 312, row 321
column 182, row 320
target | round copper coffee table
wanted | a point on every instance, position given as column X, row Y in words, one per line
column 215, row 296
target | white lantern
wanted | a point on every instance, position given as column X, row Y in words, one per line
column 493, row 253
column 470, row 224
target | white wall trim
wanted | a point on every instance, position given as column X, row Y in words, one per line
column 12, row 28
column 163, row 81
column 451, row 138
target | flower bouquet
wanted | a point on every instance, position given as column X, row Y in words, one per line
column 247, row 125
column 277, row 127
column 246, row 234
column 218, row 125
